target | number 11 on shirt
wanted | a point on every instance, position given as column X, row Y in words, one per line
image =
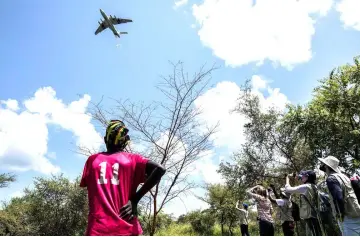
column 115, row 174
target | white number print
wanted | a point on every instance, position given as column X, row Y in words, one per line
column 115, row 178
column 115, row 174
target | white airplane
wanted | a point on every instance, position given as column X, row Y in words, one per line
column 109, row 22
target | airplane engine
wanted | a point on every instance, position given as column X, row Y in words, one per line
column 99, row 22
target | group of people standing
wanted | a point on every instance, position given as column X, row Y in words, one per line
column 344, row 204
column 113, row 179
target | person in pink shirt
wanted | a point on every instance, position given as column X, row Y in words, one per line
column 112, row 179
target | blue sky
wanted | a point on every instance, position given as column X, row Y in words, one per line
column 51, row 44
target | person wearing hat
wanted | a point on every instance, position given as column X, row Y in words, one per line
column 112, row 179
column 244, row 215
column 308, row 193
column 285, row 210
column 344, row 201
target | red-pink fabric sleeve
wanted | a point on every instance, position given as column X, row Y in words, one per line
column 85, row 175
column 140, row 169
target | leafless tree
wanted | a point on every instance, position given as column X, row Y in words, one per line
column 170, row 131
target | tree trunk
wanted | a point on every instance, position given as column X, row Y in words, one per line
column 231, row 227
column 230, row 230
column 153, row 227
column 222, row 224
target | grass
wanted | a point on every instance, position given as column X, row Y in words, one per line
column 175, row 229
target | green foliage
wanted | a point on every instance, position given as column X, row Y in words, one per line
column 222, row 200
column 6, row 179
column 202, row 222
column 177, row 229
column 330, row 122
column 55, row 206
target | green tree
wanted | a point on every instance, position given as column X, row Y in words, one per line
column 222, row 206
column 330, row 122
column 273, row 146
column 55, row 206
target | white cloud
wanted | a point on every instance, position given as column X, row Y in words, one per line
column 180, row 3
column 24, row 135
column 349, row 13
column 217, row 105
column 72, row 117
column 240, row 32
column 186, row 204
column 51, row 155
column 17, row 194
column 258, row 83
column 207, row 169
column 11, row 104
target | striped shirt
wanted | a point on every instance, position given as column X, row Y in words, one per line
column 264, row 207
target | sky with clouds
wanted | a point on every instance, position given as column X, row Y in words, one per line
column 53, row 66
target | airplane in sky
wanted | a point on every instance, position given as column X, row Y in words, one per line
column 109, row 22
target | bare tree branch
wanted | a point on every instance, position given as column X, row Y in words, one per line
column 170, row 130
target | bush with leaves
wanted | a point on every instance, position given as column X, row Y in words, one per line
column 55, row 206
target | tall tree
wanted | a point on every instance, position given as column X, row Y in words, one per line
column 222, row 206
column 273, row 146
column 170, row 131
column 330, row 122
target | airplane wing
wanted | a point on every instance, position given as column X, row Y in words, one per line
column 101, row 27
column 116, row 20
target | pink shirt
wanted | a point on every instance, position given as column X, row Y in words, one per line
column 111, row 180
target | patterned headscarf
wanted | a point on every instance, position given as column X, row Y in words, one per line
column 116, row 134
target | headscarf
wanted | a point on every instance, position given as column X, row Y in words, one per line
column 116, row 135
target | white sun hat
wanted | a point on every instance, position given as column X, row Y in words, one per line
column 331, row 162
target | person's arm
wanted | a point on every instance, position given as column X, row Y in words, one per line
column 337, row 194
column 237, row 205
column 274, row 191
column 301, row 189
column 287, row 180
column 250, row 193
column 270, row 197
column 154, row 172
column 250, row 190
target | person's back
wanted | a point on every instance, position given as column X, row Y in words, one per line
column 351, row 207
column 111, row 180
column 344, row 202
column 243, row 217
column 307, row 198
column 264, row 208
